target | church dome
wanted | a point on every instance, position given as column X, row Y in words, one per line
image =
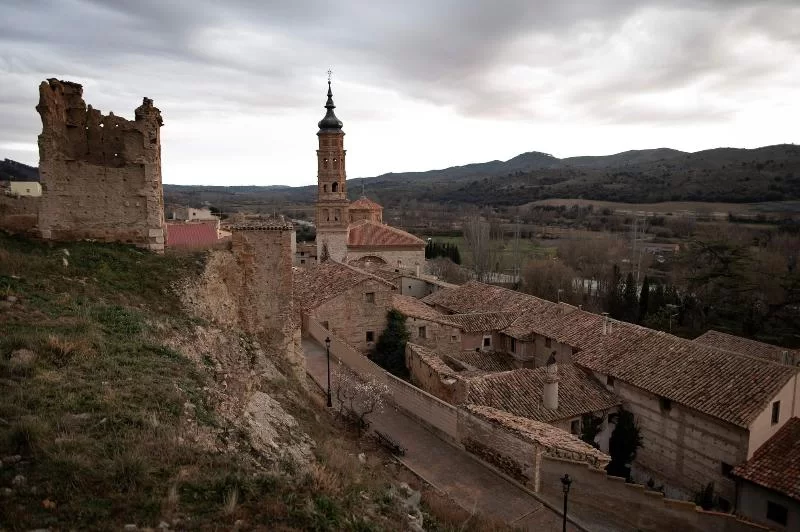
column 365, row 204
column 330, row 123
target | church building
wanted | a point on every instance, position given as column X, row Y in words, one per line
column 354, row 233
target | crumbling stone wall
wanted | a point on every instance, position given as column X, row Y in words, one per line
column 249, row 287
column 100, row 174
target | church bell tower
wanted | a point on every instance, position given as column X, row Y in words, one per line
column 332, row 204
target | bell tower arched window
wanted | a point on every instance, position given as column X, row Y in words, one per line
column 334, row 187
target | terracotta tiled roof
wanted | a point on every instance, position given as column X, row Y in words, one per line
column 745, row 346
column 414, row 308
column 197, row 235
column 776, row 464
column 365, row 204
column 475, row 296
column 370, row 234
column 390, row 275
column 519, row 392
column 482, row 321
column 489, row 361
column 724, row 385
column 317, row 284
column 557, row 442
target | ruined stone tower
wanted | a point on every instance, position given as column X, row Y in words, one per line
column 100, row 174
column 332, row 204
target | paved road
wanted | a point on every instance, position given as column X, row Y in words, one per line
column 451, row 470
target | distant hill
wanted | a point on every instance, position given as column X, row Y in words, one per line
column 732, row 175
column 14, row 171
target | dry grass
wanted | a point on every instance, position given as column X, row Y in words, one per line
column 451, row 516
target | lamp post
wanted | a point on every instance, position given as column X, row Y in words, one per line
column 565, row 482
column 328, row 354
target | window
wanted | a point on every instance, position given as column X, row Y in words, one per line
column 665, row 404
column 513, row 345
column 337, row 214
column 547, row 342
column 487, row 341
column 335, row 187
column 777, row 513
column 370, row 336
column 422, row 332
column 326, row 215
column 369, row 297
column 454, row 338
column 575, row 426
column 325, row 324
column 726, row 470
column 609, row 380
column 324, row 163
column 776, row 412
column 324, row 188
column 302, row 261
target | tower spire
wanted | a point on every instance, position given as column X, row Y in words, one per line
column 330, row 122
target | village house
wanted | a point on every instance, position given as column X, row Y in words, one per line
column 701, row 411
column 745, row 346
column 768, row 484
column 350, row 303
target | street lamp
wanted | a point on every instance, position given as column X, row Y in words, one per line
column 565, row 483
column 328, row 353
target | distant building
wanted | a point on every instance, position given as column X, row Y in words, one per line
column 195, row 235
column 25, row 188
column 745, row 346
column 189, row 214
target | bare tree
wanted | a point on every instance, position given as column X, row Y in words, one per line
column 357, row 397
column 447, row 270
column 478, row 237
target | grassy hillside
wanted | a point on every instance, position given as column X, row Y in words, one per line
column 117, row 407
column 771, row 173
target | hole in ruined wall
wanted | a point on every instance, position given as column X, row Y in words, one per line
column 102, row 125
column 116, row 125
column 116, row 155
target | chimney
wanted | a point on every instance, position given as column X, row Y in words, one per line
column 416, row 270
column 550, row 392
column 605, row 323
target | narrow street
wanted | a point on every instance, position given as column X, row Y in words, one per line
column 452, row 470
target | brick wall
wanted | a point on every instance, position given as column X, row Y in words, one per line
column 100, row 174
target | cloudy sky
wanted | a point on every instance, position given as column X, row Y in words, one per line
column 419, row 84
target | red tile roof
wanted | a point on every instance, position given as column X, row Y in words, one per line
column 196, row 235
column 369, row 234
column 488, row 361
column 475, row 296
column 319, row 283
column 482, row 321
column 365, row 204
column 731, row 387
column 776, row 464
column 519, row 392
column 414, row 308
column 745, row 346
column 556, row 442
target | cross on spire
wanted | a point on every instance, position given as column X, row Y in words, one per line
column 329, row 75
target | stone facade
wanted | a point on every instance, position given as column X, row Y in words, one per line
column 19, row 214
column 354, row 315
column 396, row 258
column 100, row 174
column 683, row 449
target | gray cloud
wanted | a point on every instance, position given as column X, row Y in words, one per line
column 598, row 61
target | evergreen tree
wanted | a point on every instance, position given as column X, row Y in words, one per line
column 630, row 300
column 644, row 300
column 622, row 446
column 390, row 351
column 615, row 305
column 325, row 255
column 657, row 299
